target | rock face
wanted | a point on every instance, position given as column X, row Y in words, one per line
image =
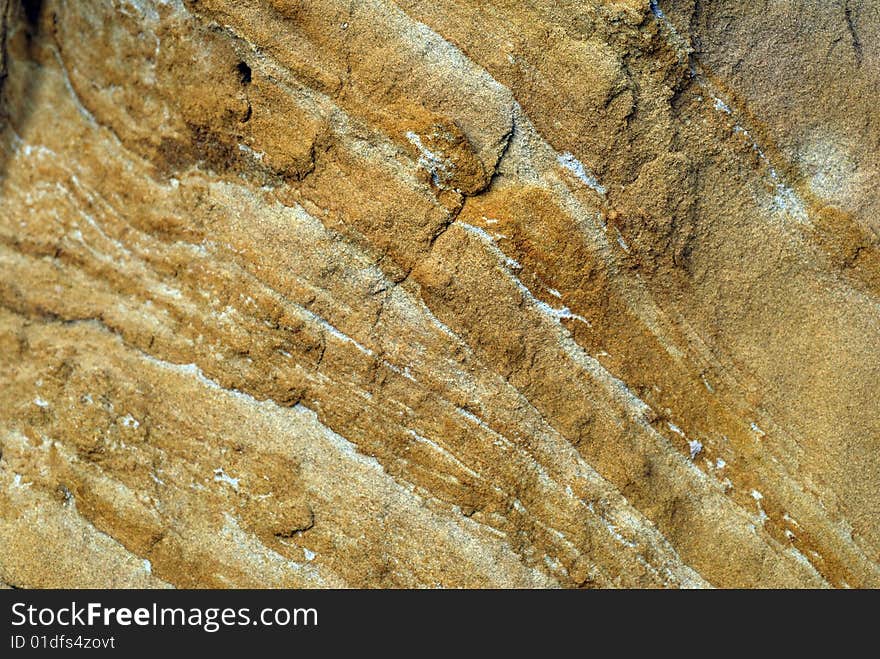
column 399, row 294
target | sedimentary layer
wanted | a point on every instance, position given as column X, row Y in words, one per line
column 448, row 293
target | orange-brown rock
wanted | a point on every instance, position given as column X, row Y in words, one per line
column 459, row 294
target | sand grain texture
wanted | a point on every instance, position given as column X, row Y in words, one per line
column 448, row 293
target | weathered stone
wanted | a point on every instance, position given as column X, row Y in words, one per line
column 403, row 294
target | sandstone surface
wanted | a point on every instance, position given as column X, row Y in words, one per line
column 459, row 293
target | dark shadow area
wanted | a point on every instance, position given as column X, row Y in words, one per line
column 32, row 10
column 244, row 73
column 22, row 26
